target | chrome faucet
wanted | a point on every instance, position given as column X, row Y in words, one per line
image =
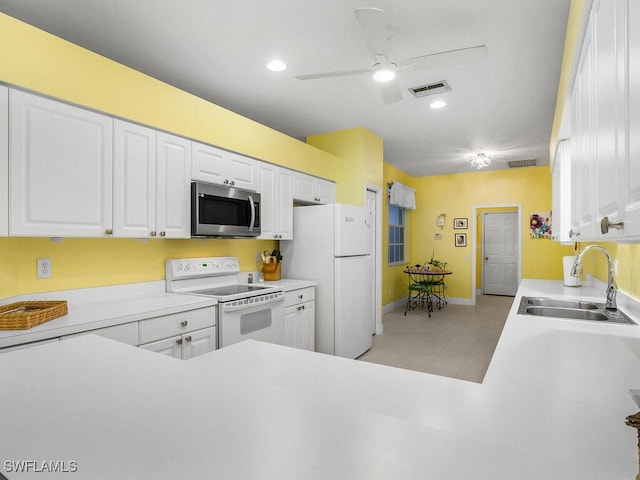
column 612, row 288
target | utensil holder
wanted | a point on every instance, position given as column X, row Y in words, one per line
column 271, row 271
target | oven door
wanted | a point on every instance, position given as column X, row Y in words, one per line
column 222, row 211
column 264, row 322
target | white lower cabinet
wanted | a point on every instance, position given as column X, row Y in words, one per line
column 182, row 335
column 300, row 318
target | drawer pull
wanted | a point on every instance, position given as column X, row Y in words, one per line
column 300, row 296
column 179, row 341
column 187, row 339
column 183, row 323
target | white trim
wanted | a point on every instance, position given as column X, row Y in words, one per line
column 378, row 260
column 474, row 235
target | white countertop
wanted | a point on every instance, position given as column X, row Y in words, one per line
column 99, row 307
column 552, row 406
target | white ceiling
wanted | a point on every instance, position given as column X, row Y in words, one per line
column 218, row 49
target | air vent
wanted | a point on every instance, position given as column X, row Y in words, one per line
column 523, row 163
column 430, row 89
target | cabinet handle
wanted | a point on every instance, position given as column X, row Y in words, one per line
column 605, row 225
column 109, row 231
column 301, row 296
column 163, row 234
column 187, row 339
column 233, row 182
column 183, row 323
column 226, row 182
column 179, row 341
column 301, row 307
column 153, row 233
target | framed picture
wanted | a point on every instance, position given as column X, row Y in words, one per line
column 461, row 239
column 460, row 223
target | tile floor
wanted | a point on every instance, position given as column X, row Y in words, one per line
column 457, row 341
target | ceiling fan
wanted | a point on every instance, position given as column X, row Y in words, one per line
column 385, row 66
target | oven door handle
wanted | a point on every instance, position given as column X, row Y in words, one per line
column 235, row 306
column 253, row 213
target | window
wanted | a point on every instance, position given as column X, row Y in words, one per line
column 396, row 235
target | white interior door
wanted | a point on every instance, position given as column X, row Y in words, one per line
column 500, row 240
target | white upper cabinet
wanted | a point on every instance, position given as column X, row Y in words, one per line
column 561, row 191
column 4, row 161
column 151, row 183
column 629, row 165
column 60, row 161
column 173, row 195
column 134, row 180
column 217, row 166
column 309, row 189
column 275, row 185
column 605, row 133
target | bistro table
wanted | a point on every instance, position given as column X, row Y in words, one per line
column 426, row 287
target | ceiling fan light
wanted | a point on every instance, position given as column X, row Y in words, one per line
column 384, row 73
column 480, row 160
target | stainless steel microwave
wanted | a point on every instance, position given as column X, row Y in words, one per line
column 221, row 211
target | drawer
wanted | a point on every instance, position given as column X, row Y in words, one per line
column 166, row 326
column 125, row 333
column 300, row 295
column 27, row 345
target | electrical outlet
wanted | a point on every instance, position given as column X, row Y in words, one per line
column 43, row 267
column 258, row 257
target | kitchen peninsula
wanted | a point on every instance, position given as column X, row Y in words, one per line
column 552, row 406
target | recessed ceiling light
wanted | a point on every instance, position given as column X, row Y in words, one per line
column 438, row 104
column 276, row 65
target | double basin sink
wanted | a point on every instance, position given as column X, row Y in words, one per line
column 571, row 309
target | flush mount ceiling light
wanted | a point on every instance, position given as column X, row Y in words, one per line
column 480, row 160
column 276, row 65
column 384, row 72
column 438, row 104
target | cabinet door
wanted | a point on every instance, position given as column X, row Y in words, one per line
column 4, row 161
column 208, row 164
column 60, row 161
column 304, row 188
column 605, row 154
column 267, row 178
column 172, row 347
column 299, row 326
column 561, row 192
column 629, row 168
column 582, row 133
column 325, row 191
column 173, row 208
column 134, row 180
column 198, row 343
column 284, row 203
column 242, row 172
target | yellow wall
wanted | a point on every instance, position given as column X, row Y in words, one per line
column 360, row 155
column 455, row 195
column 35, row 60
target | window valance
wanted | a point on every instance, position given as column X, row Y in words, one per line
column 402, row 196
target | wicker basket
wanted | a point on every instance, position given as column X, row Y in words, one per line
column 24, row 315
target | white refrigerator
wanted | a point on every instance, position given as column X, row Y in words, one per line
column 332, row 246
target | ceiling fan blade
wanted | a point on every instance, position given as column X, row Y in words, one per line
column 374, row 29
column 391, row 92
column 346, row 73
column 449, row 58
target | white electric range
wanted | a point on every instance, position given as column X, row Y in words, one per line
column 245, row 310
